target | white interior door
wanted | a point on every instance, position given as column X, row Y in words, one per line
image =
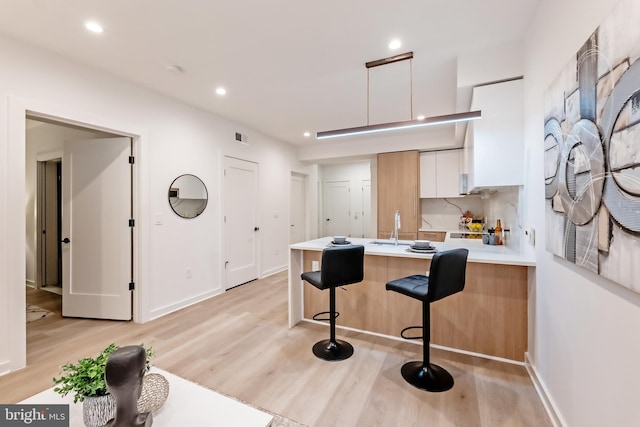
column 96, row 208
column 240, row 221
column 336, row 208
column 297, row 209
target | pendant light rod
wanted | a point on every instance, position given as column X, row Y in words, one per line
column 389, row 60
column 407, row 124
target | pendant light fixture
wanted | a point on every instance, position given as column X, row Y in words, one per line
column 406, row 124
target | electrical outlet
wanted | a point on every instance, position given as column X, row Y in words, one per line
column 531, row 236
column 315, row 265
column 188, row 273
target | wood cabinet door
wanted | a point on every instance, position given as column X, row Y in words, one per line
column 398, row 190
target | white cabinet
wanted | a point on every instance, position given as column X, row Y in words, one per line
column 439, row 174
column 494, row 144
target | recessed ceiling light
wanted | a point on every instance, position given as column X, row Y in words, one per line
column 395, row 44
column 94, row 27
column 307, row 134
column 221, row 91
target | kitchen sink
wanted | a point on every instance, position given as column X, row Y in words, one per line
column 390, row 242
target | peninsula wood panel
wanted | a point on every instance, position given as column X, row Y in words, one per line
column 488, row 317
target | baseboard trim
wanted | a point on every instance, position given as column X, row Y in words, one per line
column 160, row 312
column 273, row 271
column 547, row 401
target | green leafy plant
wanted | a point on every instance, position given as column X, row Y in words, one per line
column 85, row 378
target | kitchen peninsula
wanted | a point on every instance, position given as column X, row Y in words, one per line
column 488, row 318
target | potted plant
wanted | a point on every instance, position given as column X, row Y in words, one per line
column 85, row 379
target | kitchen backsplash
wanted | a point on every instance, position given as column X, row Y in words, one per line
column 444, row 214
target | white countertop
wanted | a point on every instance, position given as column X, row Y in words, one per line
column 478, row 252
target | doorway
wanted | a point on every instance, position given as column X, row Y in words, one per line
column 49, row 219
column 84, row 201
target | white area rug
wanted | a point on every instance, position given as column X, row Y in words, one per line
column 36, row 313
column 188, row 404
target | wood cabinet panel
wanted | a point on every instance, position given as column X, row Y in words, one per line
column 401, row 235
column 434, row 236
column 398, row 181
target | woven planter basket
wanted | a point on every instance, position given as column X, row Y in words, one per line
column 97, row 411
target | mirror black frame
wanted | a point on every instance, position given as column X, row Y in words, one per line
column 187, row 208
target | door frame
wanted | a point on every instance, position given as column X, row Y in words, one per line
column 12, row 221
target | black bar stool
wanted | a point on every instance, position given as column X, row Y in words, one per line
column 446, row 277
column 341, row 265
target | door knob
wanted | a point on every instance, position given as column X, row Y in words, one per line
column 65, row 240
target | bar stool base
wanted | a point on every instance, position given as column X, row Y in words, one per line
column 333, row 351
column 432, row 378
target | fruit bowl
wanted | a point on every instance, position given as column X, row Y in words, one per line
column 475, row 226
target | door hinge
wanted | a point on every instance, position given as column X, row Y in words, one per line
column 132, row 223
column 132, row 286
column 132, row 160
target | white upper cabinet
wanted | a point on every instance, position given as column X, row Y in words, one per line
column 440, row 173
column 494, row 145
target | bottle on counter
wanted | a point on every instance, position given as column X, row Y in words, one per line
column 498, row 231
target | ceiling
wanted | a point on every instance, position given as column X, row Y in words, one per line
column 288, row 66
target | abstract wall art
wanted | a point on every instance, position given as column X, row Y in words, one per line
column 592, row 152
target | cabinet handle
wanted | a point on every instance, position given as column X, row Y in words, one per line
column 415, row 201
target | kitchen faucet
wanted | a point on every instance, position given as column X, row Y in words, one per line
column 396, row 226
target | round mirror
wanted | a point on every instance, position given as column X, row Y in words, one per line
column 188, row 196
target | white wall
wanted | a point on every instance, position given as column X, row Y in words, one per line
column 584, row 341
column 172, row 139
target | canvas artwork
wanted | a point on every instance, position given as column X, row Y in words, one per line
column 592, row 152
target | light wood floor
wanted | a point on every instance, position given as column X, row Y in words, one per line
column 239, row 344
